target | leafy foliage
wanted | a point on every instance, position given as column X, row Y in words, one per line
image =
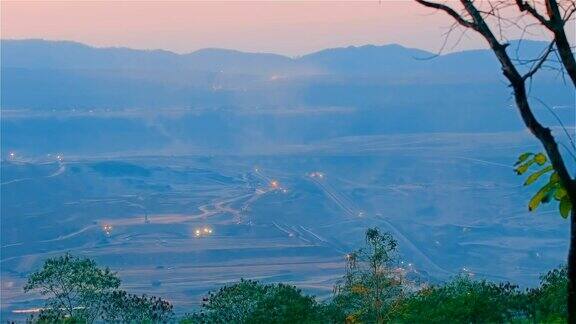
column 76, row 287
column 122, row 307
column 372, row 291
column 463, row 300
column 80, row 292
column 552, row 189
column 249, row 301
column 548, row 302
column 373, row 286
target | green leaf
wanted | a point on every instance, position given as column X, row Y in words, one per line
column 548, row 197
column 540, row 158
column 554, row 177
column 560, row 193
column 523, row 157
column 540, row 195
column 565, row 206
column 524, row 167
column 534, row 176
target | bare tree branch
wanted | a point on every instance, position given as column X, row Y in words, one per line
column 562, row 44
column 526, row 7
column 540, row 61
column 449, row 11
column 551, row 111
column 555, row 23
column 518, row 83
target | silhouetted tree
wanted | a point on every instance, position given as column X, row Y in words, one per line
column 483, row 17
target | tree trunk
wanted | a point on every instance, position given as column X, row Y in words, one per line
column 565, row 53
column 572, row 269
column 543, row 134
column 562, row 44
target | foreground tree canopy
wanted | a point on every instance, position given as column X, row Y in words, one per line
column 77, row 290
column 374, row 289
column 253, row 302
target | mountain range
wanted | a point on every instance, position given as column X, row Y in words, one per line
column 72, row 98
column 40, row 74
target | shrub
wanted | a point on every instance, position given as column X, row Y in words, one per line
column 249, row 301
column 464, row 300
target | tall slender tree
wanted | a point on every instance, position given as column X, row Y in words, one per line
column 484, row 17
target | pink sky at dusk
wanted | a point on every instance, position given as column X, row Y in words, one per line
column 291, row 28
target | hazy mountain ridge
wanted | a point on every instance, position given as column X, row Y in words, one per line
column 40, row 74
column 367, row 59
column 72, row 55
column 87, row 98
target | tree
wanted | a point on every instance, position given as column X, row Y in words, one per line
column 80, row 292
column 547, row 303
column 122, row 307
column 464, row 300
column 473, row 17
column 249, row 301
column 559, row 13
column 286, row 304
column 373, row 286
column 76, row 287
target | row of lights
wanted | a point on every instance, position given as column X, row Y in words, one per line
column 107, row 228
column 14, row 156
column 316, row 174
column 205, row 231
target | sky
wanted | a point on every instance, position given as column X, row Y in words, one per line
column 290, row 27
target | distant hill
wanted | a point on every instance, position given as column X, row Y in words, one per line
column 39, row 74
column 43, row 54
column 369, row 59
column 77, row 98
